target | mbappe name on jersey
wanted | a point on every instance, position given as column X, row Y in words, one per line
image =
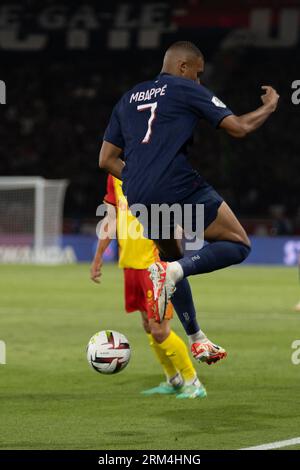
column 148, row 94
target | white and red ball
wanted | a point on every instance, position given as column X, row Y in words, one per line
column 108, row 352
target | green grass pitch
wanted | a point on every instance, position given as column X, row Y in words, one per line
column 50, row 398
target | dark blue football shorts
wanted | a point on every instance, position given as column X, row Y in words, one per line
column 156, row 227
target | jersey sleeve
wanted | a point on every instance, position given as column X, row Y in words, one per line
column 204, row 103
column 113, row 132
column 110, row 196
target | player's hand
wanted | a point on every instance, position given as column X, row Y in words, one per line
column 270, row 97
column 95, row 272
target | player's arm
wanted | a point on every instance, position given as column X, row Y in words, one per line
column 109, row 159
column 113, row 145
column 107, row 233
column 240, row 126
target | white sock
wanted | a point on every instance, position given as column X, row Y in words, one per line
column 197, row 337
column 175, row 381
column 176, row 272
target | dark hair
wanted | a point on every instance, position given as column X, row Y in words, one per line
column 186, row 46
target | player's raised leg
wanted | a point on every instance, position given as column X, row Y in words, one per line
column 228, row 245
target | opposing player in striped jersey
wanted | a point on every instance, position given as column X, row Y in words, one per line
column 135, row 256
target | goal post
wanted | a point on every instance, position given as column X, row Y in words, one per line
column 31, row 216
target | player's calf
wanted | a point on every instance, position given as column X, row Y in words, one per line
column 159, row 331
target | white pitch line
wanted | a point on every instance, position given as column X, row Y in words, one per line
column 275, row 445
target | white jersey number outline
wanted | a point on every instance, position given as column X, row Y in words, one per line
column 152, row 107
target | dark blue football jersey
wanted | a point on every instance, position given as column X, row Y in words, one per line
column 153, row 124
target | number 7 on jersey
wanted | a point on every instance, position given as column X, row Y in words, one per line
column 152, row 107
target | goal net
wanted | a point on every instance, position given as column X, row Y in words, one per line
column 31, row 214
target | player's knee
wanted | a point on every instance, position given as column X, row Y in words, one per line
column 158, row 335
column 240, row 237
column 244, row 251
column 246, row 241
column 159, row 331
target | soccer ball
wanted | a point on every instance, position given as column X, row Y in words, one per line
column 108, row 352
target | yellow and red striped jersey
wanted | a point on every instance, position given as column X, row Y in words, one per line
column 136, row 253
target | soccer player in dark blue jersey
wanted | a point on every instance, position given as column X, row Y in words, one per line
column 151, row 126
